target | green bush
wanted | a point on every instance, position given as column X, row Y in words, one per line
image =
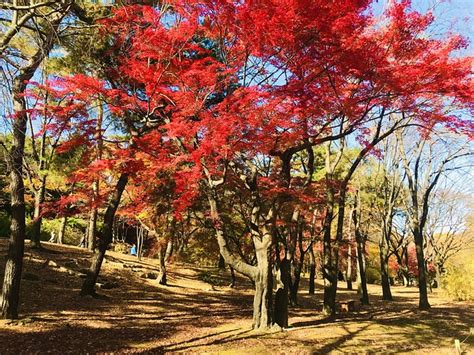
column 373, row 275
column 75, row 229
column 29, row 231
column 213, row 279
column 458, row 281
column 120, row 247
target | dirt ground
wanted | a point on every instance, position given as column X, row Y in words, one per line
column 193, row 314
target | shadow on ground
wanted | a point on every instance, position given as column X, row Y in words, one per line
column 192, row 315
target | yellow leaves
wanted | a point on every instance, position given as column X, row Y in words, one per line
column 24, row 44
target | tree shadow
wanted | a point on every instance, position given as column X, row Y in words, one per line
column 340, row 341
column 141, row 315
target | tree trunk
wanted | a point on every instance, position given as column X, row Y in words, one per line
column 330, row 287
column 262, row 304
column 295, row 283
column 140, row 238
column 406, row 268
column 91, row 229
column 422, row 287
column 293, row 241
column 349, row 266
column 221, row 262
column 281, row 295
column 37, row 219
column 261, row 274
column 164, row 256
column 383, row 253
column 362, row 277
column 296, row 265
column 360, row 249
column 438, row 268
column 62, row 230
column 330, row 269
column 88, row 287
column 232, row 277
column 161, row 260
column 9, row 299
column 312, row 270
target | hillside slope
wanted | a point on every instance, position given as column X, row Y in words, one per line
column 138, row 315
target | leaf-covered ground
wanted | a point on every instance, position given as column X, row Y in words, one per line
column 195, row 313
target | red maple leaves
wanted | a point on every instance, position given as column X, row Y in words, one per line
column 211, row 81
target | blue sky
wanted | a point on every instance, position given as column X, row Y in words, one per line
column 451, row 15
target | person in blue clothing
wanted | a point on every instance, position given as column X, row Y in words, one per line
column 133, row 251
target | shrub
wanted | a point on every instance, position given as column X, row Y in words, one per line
column 458, row 282
column 373, row 275
column 120, row 247
column 213, row 279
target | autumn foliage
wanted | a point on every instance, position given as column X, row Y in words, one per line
column 208, row 82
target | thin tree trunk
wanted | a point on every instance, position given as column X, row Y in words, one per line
column 403, row 268
column 422, row 282
column 91, row 238
column 296, row 264
column 91, row 229
column 293, row 234
column 140, row 236
column 349, row 266
column 88, row 287
column 161, row 260
column 349, row 251
column 232, row 277
column 406, row 268
column 360, row 250
column 164, row 256
column 330, row 265
column 62, row 230
column 312, row 269
column 438, row 268
column 37, row 219
column 362, row 276
column 383, row 253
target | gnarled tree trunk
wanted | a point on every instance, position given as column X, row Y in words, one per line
column 262, row 303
